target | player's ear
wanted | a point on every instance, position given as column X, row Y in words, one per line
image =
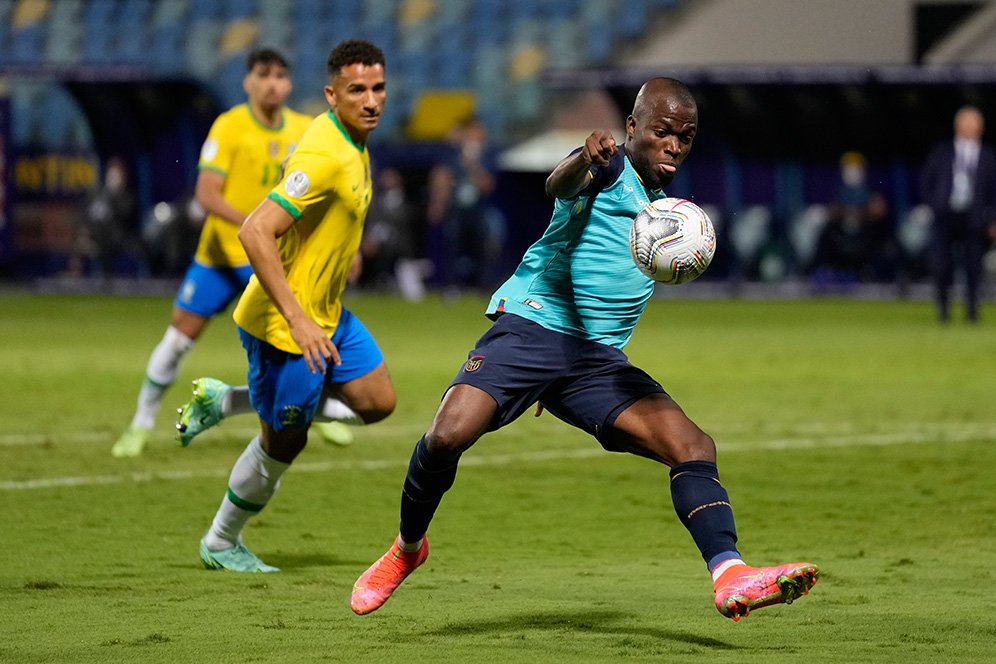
column 330, row 96
column 630, row 127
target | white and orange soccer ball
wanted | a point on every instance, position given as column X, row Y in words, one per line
column 672, row 241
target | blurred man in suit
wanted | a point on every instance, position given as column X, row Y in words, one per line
column 959, row 184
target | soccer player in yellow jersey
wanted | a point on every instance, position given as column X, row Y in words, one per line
column 240, row 162
column 300, row 341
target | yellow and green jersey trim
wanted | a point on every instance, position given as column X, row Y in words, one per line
column 345, row 134
column 285, row 204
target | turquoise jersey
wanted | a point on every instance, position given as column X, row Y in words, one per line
column 580, row 278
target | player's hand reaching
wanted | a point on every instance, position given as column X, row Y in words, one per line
column 314, row 343
column 573, row 173
column 599, row 148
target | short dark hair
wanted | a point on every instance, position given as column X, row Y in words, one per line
column 352, row 52
column 265, row 56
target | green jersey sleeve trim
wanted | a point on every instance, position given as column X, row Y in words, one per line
column 285, row 204
column 213, row 169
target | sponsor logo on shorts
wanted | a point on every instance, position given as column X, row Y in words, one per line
column 187, row 291
column 292, row 416
column 474, row 363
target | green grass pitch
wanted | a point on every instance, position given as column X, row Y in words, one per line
column 858, row 435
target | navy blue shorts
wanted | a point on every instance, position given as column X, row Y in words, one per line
column 584, row 383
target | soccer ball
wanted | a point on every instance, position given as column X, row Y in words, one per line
column 672, row 241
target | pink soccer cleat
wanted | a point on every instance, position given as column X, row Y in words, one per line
column 743, row 588
column 377, row 584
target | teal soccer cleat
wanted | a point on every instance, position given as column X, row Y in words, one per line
column 236, row 559
column 203, row 411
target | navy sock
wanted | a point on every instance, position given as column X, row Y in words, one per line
column 429, row 477
column 703, row 506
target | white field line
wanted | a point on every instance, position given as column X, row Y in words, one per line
column 815, row 431
column 924, row 435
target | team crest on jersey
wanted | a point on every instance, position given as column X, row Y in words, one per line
column 209, row 150
column 274, row 148
column 474, row 363
column 297, row 184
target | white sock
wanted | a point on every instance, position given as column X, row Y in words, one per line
column 723, row 566
column 255, row 478
column 161, row 371
column 236, row 401
column 409, row 547
column 336, row 410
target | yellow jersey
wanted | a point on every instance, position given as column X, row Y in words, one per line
column 327, row 190
column 249, row 155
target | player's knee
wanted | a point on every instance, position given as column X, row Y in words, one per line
column 284, row 445
column 445, row 439
column 378, row 412
column 694, row 446
column 377, row 406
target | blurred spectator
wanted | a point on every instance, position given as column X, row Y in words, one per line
column 389, row 250
column 170, row 232
column 857, row 240
column 882, row 255
column 958, row 182
column 105, row 234
column 853, row 188
column 466, row 232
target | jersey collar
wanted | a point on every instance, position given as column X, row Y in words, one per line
column 637, row 174
column 263, row 125
column 335, row 120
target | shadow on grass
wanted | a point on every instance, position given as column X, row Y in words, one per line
column 611, row 623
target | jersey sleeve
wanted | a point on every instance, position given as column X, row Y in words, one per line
column 219, row 147
column 309, row 179
column 603, row 177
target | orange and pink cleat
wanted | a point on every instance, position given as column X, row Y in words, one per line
column 377, row 584
column 742, row 588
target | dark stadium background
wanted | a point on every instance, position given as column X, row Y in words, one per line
column 145, row 78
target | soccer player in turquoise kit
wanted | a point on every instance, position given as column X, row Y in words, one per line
column 560, row 323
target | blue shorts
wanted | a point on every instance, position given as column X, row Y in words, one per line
column 282, row 389
column 584, row 383
column 207, row 291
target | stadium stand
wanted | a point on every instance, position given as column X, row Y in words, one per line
column 496, row 50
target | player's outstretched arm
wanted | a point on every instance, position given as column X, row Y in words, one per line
column 572, row 174
column 259, row 236
column 208, row 193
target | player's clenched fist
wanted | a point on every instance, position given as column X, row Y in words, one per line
column 599, row 148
